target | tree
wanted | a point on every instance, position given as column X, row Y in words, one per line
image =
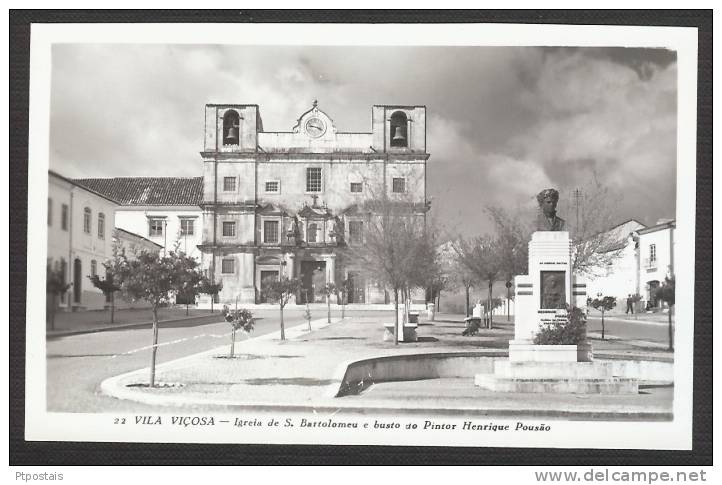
column 343, row 288
column 666, row 294
column 55, row 286
column 603, row 304
column 156, row 279
column 327, row 290
column 594, row 245
column 395, row 244
column 240, row 320
column 108, row 286
column 281, row 291
column 480, row 255
column 209, row 287
column 513, row 233
column 307, row 315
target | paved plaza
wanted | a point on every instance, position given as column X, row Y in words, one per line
column 308, row 370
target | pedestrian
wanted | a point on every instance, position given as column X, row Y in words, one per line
column 630, row 306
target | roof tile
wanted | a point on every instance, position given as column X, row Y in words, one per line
column 148, row 190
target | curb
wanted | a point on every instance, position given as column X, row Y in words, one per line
column 65, row 333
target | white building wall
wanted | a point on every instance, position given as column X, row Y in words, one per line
column 136, row 220
column 618, row 279
column 88, row 247
column 663, row 241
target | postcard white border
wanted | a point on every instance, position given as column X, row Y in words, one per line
column 676, row 434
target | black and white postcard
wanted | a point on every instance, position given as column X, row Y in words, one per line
column 384, row 234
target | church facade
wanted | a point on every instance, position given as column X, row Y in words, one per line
column 288, row 203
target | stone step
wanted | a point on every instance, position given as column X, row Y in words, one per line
column 614, row 385
column 553, row 370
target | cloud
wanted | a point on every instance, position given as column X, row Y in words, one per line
column 503, row 122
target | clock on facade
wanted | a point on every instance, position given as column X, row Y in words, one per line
column 315, row 127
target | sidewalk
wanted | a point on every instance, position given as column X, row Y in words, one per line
column 306, row 371
column 71, row 323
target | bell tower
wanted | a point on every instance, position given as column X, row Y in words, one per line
column 399, row 129
column 232, row 128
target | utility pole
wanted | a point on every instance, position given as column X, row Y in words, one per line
column 578, row 196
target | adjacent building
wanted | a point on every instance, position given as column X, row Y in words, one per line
column 656, row 258
column 286, row 203
column 80, row 238
column 645, row 260
column 164, row 210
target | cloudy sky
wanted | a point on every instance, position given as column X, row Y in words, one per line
column 502, row 123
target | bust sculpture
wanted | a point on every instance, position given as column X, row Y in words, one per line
column 548, row 219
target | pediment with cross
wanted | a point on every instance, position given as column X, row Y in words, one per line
column 315, row 124
column 310, row 212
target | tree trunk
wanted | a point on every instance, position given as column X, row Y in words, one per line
column 155, row 346
column 328, row 306
column 467, row 301
column 112, row 307
column 283, row 330
column 671, row 334
column 508, row 306
column 213, row 297
column 186, row 309
column 233, row 341
column 396, row 317
column 343, row 305
column 490, row 309
column 602, row 325
column 53, row 306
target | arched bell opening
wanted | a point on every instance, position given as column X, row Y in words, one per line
column 399, row 135
column 231, row 127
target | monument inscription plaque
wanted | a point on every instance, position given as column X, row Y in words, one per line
column 553, row 289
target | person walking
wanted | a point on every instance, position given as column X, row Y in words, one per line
column 630, row 306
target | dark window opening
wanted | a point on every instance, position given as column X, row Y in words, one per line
column 356, row 187
column 270, row 232
column 229, row 229
column 231, row 127
column 398, row 185
column 313, row 179
column 398, row 133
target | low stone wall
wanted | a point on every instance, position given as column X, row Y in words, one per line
column 361, row 374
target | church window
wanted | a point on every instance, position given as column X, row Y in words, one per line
column 652, row 253
column 227, row 266
column 93, row 268
column 229, row 229
column 356, row 187
column 398, row 185
column 313, row 179
column 229, row 184
column 312, row 233
column 355, row 232
column 273, row 187
column 270, row 232
column 186, row 227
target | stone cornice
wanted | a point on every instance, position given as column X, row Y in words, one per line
column 249, row 157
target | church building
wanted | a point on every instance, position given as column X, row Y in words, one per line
column 288, row 203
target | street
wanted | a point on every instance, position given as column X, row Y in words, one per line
column 77, row 364
column 630, row 330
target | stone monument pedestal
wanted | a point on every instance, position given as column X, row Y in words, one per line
column 541, row 298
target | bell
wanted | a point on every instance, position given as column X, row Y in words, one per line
column 399, row 134
column 232, row 134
